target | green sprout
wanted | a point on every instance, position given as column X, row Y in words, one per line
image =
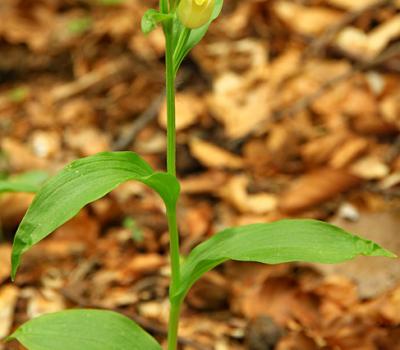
column 80, row 25
column 85, row 180
column 19, row 94
column 130, row 224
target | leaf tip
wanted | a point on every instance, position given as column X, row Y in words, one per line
column 379, row 251
column 370, row 248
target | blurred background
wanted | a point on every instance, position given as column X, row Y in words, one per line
column 285, row 109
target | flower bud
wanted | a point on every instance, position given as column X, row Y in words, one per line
column 195, row 13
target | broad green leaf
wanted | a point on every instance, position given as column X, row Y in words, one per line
column 151, row 19
column 28, row 182
column 84, row 181
column 195, row 35
column 84, row 330
column 274, row 243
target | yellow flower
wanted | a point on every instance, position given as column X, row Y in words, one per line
column 195, row 13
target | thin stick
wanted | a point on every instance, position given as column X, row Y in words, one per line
column 139, row 123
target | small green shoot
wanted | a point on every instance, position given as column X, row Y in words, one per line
column 80, row 25
column 136, row 232
column 18, row 94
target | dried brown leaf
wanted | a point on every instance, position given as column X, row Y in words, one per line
column 189, row 108
column 213, row 156
column 235, row 192
column 316, row 187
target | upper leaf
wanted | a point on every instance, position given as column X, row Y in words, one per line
column 195, row 35
column 82, row 182
column 274, row 243
column 28, row 182
column 84, row 330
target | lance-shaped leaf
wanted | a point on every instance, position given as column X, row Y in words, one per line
column 82, row 182
column 28, row 182
column 274, row 243
column 195, row 35
column 84, row 330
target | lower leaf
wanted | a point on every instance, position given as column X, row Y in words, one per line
column 28, row 182
column 84, row 330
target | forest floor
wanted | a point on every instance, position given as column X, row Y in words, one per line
column 286, row 109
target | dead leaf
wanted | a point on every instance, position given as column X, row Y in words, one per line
column 43, row 302
column 282, row 299
column 351, row 4
column 369, row 45
column 213, row 156
column 348, row 151
column 8, row 300
column 235, row 192
column 370, row 168
column 207, row 182
column 87, row 141
column 380, row 36
column 13, row 207
column 390, row 109
column 305, row 19
column 5, row 262
column 189, row 108
column 209, row 293
column 22, row 158
column 319, row 150
column 240, row 103
column 316, row 187
column 296, row 341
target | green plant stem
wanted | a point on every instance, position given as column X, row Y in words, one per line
column 171, row 168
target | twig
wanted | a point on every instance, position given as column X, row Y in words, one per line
column 130, row 132
column 306, row 101
column 91, row 79
column 329, row 34
column 138, row 124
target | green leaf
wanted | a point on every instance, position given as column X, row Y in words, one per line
column 195, row 35
column 84, row 330
column 273, row 243
column 151, row 19
column 18, row 94
column 80, row 25
column 82, row 182
column 28, row 182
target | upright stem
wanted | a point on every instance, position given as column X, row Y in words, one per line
column 175, row 305
column 170, row 84
column 171, row 168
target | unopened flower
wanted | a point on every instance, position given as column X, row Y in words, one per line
column 195, row 13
